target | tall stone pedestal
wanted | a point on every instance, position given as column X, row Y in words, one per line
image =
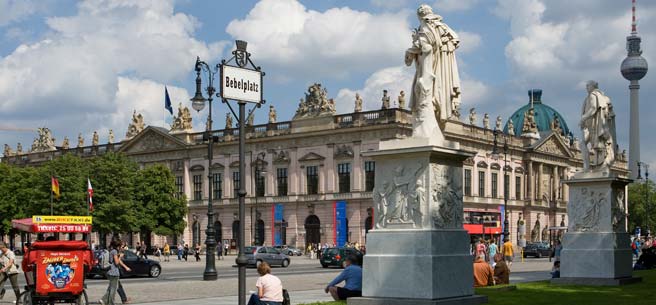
column 418, row 252
column 596, row 247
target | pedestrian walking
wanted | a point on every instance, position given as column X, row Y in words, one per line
column 508, row 251
column 167, row 252
column 197, row 253
column 269, row 288
column 219, row 251
column 352, row 276
column 113, row 274
column 180, row 251
column 227, row 248
column 492, row 252
column 185, row 252
column 8, row 270
column 121, row 290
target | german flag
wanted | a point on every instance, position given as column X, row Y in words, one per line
column 55, row 187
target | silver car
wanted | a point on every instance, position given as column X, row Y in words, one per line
column 272, row 256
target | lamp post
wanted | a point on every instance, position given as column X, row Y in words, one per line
column 646, row 190
column 260, row 172
column 198, row 103
column 495, row 152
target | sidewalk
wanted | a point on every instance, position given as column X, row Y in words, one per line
column 297, row 297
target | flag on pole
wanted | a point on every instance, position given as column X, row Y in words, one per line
column 90, row 191
column 167, row 100
column 55, row 187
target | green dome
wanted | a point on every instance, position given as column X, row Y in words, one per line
column 544, row 115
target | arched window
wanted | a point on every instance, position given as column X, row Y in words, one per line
column 218, row 233
column 235, row 230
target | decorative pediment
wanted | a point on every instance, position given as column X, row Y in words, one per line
column 311, row 157
column 343, row 151
column 519, row 170
column 152, row 139
column 197, row 168
column 553, row 145
column 507, row 168
column 234, row 164
column 481, row 164
column 281, row 157
column 218, row 166
column 259, row 162
column 469, row 161
column 495, row 166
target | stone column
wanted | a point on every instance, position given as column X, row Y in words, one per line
column 539, row 181
column 357, row 168
column 418, row 230
column 596, row 247
column 531, row 183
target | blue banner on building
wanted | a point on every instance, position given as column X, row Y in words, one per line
column 277, row 221
column 341, row 227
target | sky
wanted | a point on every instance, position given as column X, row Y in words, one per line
column 79, row 67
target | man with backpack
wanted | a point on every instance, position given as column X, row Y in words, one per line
column 113, row 274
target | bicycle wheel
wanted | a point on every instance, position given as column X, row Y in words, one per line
column 26, row 296
column 83, row 299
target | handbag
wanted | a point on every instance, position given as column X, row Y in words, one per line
column 285, row 298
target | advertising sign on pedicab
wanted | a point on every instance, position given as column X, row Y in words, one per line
column 59, row 271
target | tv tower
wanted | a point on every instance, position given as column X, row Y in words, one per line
column 634, row 68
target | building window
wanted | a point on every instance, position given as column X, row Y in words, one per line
column 495, row 185
column 235, row 184
column 518, row 188
column 481, row 183
column 369, row 175
column 259, row 183
column 344, row 176
column 506, row 186
column 179, row 186
column 217, row 182
column 468, row 182
column 198, row 187
column 312, row 180
column 281, row 177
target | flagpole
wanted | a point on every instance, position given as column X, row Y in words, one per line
column 51, row 206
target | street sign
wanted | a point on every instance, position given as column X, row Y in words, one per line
column 241, row 84
column 81, row 220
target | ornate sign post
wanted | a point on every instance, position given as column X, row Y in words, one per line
column 418, row 203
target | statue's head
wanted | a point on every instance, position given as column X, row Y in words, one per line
column 591, row 85
column 425, row 12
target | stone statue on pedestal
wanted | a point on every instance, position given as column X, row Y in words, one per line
column 401, row 100
column 472, row 116
column 529, row 126
column 19, row 149
column 358, row 103
column 8, row 152
column 315, row 103
column 65, row 143
column 250, row 119
column 273, row 116
column 182, row 122
column 486, row 121
column 95, row 139
column 498, row 123
column 598, row 128
column 111, row 137
column 386, row 101
column 136, row 126
column 80, row 140
column 511, row 128
column 228, row 121
column 555, row 125
column 44, row 141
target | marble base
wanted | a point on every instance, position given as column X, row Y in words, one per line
column 469, row 300
column 596, row 255
column 417, row 264
column 596, row 281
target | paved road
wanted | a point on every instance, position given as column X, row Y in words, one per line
column 304, row 278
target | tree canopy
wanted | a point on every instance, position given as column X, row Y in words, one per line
column 125, row 197
column 641, row 205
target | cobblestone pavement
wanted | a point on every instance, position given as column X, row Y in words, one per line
column 181, row 282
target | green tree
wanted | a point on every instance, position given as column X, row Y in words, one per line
column 112, row 177
column 641, row 205
column 71, row 172
column 160, row 211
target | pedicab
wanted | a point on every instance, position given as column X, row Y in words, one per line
column 55, row 269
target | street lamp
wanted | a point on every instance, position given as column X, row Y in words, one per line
column 495, row 152
column 646, row 190
column 260, row 172
column 198, row 103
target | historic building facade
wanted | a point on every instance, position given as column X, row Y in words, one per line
column 303, row 174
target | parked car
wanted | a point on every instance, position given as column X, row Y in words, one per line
column 270, row 255
column 336, row 256
column 290, row 251
column 139, row 266
column 537, row 250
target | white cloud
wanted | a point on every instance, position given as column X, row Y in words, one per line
column 454, row 5
column 469, row 41
column 111, row 57
column 390, row 4
column 15, row 10
column 393, row 79
column 333, row 42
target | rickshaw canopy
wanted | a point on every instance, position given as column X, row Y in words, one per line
column 53, row 224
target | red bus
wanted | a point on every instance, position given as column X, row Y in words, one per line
column 483, row 224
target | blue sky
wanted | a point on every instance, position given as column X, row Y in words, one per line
column 76, row 67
